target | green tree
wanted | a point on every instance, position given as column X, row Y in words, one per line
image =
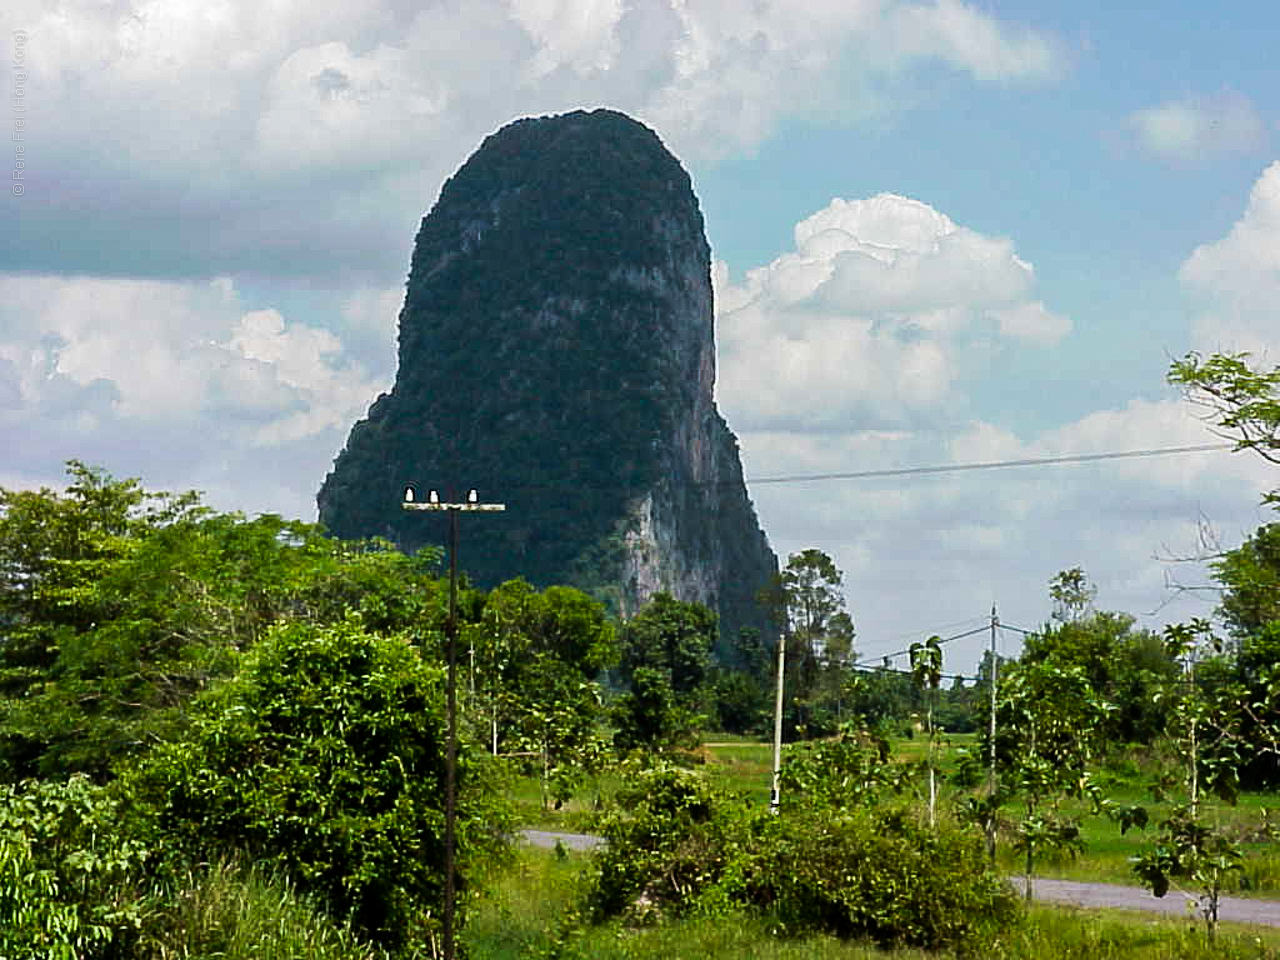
column 1125, row 667
column 325, row 754
column 538, row 657
column 117, row 605
column 1208, row 725
column 1250, row 577
column 926, row 673
column 807, row 603
column 671, row 636
column 1241, row 400
column 1052, row 728
column 1072, row 594
column 883, row 697
column 666, row 661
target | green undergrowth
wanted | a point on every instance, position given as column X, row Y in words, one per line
column 232, row 912
column 530, row 911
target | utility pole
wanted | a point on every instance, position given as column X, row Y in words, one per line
column 472, row 504
column 991, row 740
column 776, row 795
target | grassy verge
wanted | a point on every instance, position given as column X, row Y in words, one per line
column 236, row 912
column 523, row 914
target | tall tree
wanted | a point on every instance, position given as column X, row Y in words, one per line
column 537, row 660
column 1072, row 594
column 1250, row 576
column 807, row 602
column 1243, row 401
column 672, row 636
column 1124, row 666
column 666, row 659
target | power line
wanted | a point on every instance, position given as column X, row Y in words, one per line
column 1025, row 633
column 905, row 635
column 992, row 465
column 868, row 664
column 907, row 673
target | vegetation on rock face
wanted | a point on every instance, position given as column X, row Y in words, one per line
column 558, row 376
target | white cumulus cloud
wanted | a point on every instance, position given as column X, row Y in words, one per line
column 882, row 305
column 1235, row 281
column 1193, row 128
column 175, row 381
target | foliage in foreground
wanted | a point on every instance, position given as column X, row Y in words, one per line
column 70, row 881
column 233, row 912
column 680, row 848
column 119, row 604
column 325, row 755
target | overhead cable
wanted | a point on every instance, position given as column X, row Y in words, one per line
column 991, row 465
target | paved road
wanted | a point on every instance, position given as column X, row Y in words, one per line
column 571, row 841
column 1109, row 895
column 1114, row 896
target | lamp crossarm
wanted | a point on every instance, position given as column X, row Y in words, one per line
column 464, row 507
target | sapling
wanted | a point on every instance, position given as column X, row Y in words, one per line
column 1055, row 726
column 1206, row 726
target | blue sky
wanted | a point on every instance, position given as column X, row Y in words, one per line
column 945, row 232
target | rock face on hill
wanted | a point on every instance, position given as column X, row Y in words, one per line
column 557, row 354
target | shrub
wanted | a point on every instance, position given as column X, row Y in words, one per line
column 885, row 877
column 69, row 879
column 325, row 754
column 672, row 839
column 849, row 770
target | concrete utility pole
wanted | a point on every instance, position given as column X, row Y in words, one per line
column 991, row 737
column 776, row 795
column 451, row 697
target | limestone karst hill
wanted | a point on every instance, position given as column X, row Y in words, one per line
column 557, row 354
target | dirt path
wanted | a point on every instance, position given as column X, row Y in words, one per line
column 1097, row 895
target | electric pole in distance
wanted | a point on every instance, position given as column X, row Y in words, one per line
column 471, row 504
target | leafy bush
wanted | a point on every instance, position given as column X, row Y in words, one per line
column 885, row 877
column 672, row 840
column 326, row 754
column 850, row 770
column 69, row 879
column 119, row 605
